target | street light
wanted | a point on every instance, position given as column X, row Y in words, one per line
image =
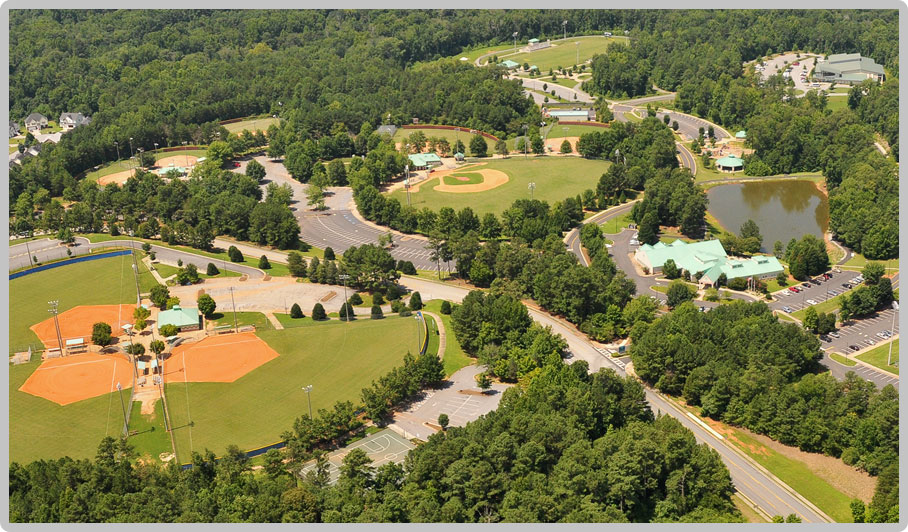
column 418, row 334
column 515, row 40
column 308, row 390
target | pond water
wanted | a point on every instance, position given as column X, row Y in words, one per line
column 782, row 209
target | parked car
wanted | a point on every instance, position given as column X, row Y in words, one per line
column 871, row 341
column 805, row 285
column 793, row 289
column 824, row 338
column 236, row 164
column 796, row 63
column 854, row 348
column 786, row 309
column 847, row 286
column 834, row 334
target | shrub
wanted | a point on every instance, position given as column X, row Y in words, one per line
column 377, row 314
column 146, row 247
column 264, row 264
column 235, row 254
column 408, row 268
column 172, row 302
column 168, row 330
column 296, row 312
column 159, row 296
column 415, row 301
column 445, row 307
column 378, row 299
column 318, row 312
column 356, row 299
column 738, row 283
column 296, row 264
column 100, row 334
column 397, row 306
column 346, row 312
column 782, row 279
column 329, row 254
column 405, row 312
column 207, row 305
column 443, row 421
column 212, row 270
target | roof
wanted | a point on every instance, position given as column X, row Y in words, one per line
column 181, row 317
column 531, row 41
column 570, row 112
column 741, row 134
column 422, row 159
column 534, row 67
column 693, row 257
column 730, row 160
column 36, row 117
column 389, row 129
column 509, row 64
column 755, row 266
column 849, row 64
column 458, row 154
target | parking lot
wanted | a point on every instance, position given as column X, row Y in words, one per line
column 863, row 333
column 777, row 66
column 813, row 292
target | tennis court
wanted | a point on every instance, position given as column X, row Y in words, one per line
column 382, row 447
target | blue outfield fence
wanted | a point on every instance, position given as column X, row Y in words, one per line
column 68, row 262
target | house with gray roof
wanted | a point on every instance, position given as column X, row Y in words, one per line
column 34, row 122
column 69, row 121
column 849, row 69
column 13, row 129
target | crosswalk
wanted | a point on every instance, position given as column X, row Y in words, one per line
column 617, row 361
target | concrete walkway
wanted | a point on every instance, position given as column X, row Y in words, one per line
column 442, row 342
column 274, row 321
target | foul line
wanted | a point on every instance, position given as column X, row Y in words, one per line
column 77, row 364
column 113, row 376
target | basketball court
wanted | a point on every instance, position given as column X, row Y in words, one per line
column 382, row 447
column 77, row 322
column 223, row 358
column 75, row 378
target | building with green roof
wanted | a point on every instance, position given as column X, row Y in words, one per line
column 708, row 258
column 421, row 161
column 185, row 319
column 741, row 135
column 730, row 163
column 848, row 68
column 508, row 64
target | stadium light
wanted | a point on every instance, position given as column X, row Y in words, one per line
column 122, row 404
column 308, row 390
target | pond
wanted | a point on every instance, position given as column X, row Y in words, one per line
column 782, row 209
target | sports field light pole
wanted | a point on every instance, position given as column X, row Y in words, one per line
column 515, row 41
column 344, row 278
column 131, row 152
column 308, row 390
column 135, row 370
column 117, row 144
column 532, row 187
column 407, row 183
column 53, row 309
column 891, row 327
column 235, row 329
column 418, row 335
column 122, row 404
column 564, row 27
column 525, row 128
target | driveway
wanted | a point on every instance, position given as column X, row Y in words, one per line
column 572, row 95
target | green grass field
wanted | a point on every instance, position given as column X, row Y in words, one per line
column 556, row 178
column 222, row 317
column 880, row 355
column 41, row 429
column 126, row 163
column 99, row 282
column 858, row 261
column 152, row 438
column 252, row 124
column 339, row 361
column 842, row 359
column 563, row 81
column 454, row 358
column 166, row 270
column 827, row 306
column 617, row 224
column 472, row 178
column 564, row 53
column 839, row 102
column 557, row 131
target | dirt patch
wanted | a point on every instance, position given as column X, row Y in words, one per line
column 77, row 322
column 119, row 177
column 177, row 160
column 75, row 378
column 555, row 144
column 461, row 178
column 217, row 358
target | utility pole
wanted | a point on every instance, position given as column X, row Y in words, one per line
column 117, row 144
column 407, row 183
column 135, row 270
column 135, row 371
column 122, row 404
column 308, row 390
column 564, row 26
column 53, row 309
column 131, row 151
column 515, row 41
column 344, row 278
column 28, row 251
column 235, row 329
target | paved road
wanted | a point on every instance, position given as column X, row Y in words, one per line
column 687, row 158
column 338, row 227
column 749, row 478
column 561, row 91
column 83, row 247
column 689, row 126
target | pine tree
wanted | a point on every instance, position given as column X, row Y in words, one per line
column 296, row 312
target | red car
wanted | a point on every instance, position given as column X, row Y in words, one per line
column 793, row 289
column 236, row 164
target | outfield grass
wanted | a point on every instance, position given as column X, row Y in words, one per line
column 99, row 282
column 252, row 124
column 454, row 358
column 126, row 163
column 880, row 354
column 41, row 429
column 565, row 53
column 556, row 131
column 339, row 361
column 556, row 178
column 258, row 319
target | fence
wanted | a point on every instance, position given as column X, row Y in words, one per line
column 67, row 262
column 450, row 128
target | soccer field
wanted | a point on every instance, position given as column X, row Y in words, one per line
column 564, row 53
column 97, row 282
column 556, row 178
column 557, row 131
column 338, row 359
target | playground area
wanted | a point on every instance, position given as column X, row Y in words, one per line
column 182, row 163
column 77, row 323
column 382, row 447
column 223, row 358
column 75, row 378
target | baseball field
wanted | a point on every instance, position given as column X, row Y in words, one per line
column 555, row 177
column 338, row 359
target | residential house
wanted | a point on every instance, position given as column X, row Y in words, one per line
column 13, row 129
column 34, row 122
column 69, row 121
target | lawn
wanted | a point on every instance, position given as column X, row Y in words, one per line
column 879, row 355
column 252, row 124
column 839, row 102
column 222, row 317
column 556, row 178
column 41, row 429
column 858, row 261
column 842, row 359
column 152, row 437
column 557, row 131
column 454, row 358
column 827, row 306
column 99, row 282
column 126, row 163
column 563, row 81
column 617, row 224
column 564, row 53
column 339, row 361
column 166, row 270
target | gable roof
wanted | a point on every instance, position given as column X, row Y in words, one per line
column 849, row 64
column 507, row 63
column 35, row 117
column 77, row 119
column 389, row 129
column 181, row 317
column 756, row 266
column 423, row 159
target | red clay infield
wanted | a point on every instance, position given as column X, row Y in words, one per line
column 217, row 358
column 78, row 321
column 74, row 378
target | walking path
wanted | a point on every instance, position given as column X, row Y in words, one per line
column 442, row 343
column 274, row 321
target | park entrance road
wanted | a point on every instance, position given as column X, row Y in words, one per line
column 768, row 493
